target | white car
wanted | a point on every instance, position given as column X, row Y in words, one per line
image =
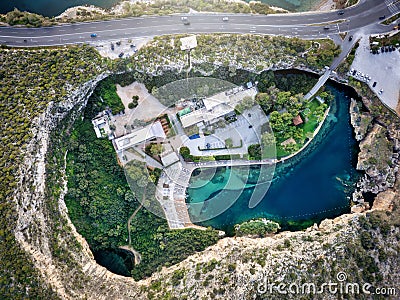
column 225, row 19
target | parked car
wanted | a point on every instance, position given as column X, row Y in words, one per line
column 374, row 85
column 382, row 17
column 121, row 54
column 350, row 38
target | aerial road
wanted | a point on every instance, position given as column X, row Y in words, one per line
column 311, row 25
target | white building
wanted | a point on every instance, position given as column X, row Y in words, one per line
column 101, row 126
column 217, row 106
column 151, row 132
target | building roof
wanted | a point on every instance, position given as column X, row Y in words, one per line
column 297, row 120
column 288, row 142
column 169, row 159
column 193, row 118
column 215, row 100
column 149, row 132
column 217, row 106
column 100, row 123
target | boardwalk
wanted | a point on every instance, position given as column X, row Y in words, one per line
column 346, row 48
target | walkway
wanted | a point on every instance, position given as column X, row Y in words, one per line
column 129, row 247
column 346, row 49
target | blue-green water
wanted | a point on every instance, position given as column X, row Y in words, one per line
column 50, row 8
column 293, row 5
column 55, row 7
column 314, row 185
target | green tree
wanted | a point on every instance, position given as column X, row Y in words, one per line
column 185, row 152
column 268, row 139
column 156, row 149
column 254, row 151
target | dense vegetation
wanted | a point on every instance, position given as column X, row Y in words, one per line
column 106, row 94
column 169, row 7
column 258, row 228
column 29, row 80
column 238, row 52
column 28, row 19
column 139, row 8
column 344, row 3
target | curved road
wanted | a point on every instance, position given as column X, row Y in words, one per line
column 305, row 25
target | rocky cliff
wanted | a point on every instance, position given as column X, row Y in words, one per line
column 363, row 245
column 45, row 232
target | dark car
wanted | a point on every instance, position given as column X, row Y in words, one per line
column 112, row 47
column 382, row 17
column 93, row 35
column 374, row 85
column 340, row 13
column 350, row 38
column 326, row 28
column 121, row 54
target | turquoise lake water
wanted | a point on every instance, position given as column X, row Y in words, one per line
column 54, row 8
column 314, row 185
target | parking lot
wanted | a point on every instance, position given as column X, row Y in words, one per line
column 380, row 71
column 119, row 48
column 245, row 131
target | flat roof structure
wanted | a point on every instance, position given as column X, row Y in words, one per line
column 152, row 131
column 217, row 106
column 101, row 126
column 193, row 118
column 169, row 159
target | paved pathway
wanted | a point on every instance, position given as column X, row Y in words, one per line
column 346, row 48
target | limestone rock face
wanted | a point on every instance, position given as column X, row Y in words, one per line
column 360, row 121
column 384, row 200
column 239, row 265
column 378, row 159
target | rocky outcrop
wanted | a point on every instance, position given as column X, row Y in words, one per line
column 359, row 121
column 72, row 274
column 385, row 200
column 234, row 268
column 378, row 159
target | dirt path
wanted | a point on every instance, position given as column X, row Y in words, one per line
column 128, row 247
column 130, row 219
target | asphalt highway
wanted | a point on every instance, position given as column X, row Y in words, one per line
column 309, row 25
